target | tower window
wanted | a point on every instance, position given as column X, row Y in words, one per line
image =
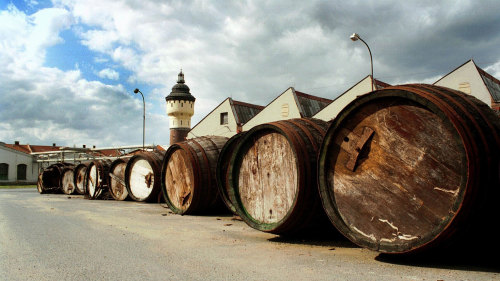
column 181, row 122
column 182, row 104
column 171, row 104
column 191, row 105
column 223, row 118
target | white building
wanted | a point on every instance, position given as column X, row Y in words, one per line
column 290, row 104
column 226, row 119
column 362, row 87
column 471, row 79
column 17, row 165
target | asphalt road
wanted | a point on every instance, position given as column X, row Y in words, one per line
column 60, row 237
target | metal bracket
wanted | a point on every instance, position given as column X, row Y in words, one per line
column 354, row 145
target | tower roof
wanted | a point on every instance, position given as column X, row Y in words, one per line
column 180, row 91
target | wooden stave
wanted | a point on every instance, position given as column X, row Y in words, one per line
column 76, row 180
column 223, row 170
column 101, row 189
column 154, row 158
column 306, row 213
column 465, row 113
column 114, row 164
column 203, row 162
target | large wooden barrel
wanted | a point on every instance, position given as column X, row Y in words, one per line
column 223, row 169
column 51, row 178
column 143, row 176
column 68, row 183
column 412, row 168
column 188, row 175
column 117, row 186
column 97, row 179
column 272, row 177
column 79, row 173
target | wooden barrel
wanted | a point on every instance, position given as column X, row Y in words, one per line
column 79, row 173
column 68, row 183
column 188, row 175
column 117, row 186
column 223, row 169
column 272, row 176
column 143, row 176
column 97, row 179
column 412, row 168
column 51, row 178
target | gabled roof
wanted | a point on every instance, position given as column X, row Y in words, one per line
column 244, row 111
column 491, row 83
column 27, row 148
column 310, row 105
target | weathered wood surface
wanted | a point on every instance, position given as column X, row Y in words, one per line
column 402, row 187
column 117, row 186
column 268, row 178
column 143, row 176
column 188, row 175
column 68, row 185
column 272, row 177
column 79, row 178
column 179, row 180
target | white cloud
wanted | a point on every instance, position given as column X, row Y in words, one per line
column 109, row 73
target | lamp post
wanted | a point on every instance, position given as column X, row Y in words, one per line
column 143, row 117
column 355, row 37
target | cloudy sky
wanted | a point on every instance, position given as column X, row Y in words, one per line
column 68, row 68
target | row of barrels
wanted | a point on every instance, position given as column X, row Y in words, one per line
column 403, row 170
column 129, row 178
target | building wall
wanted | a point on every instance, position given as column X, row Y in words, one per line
column 332, row 110
column 459, row 78
column 211, row 124
column 282, row 108
column 14, row 158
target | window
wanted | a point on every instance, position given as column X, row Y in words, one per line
column 4, row 171
column 223, row 118
column 21, row 172
column 284, row 110
column 464, row 87
column 182, row 104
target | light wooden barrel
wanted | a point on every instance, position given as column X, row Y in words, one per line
column 79, row 173
column 97, row 179
column 223, row 169
column 143, row 176
column 272, row 177
column 68, row 183
column 188, row 175
column 117, row 186
column 412, row 168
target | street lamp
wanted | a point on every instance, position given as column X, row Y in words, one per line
column 355, row 37
column 143, row 117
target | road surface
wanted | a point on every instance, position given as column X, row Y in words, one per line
column 61, row 237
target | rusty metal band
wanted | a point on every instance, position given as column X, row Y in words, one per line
column 321, row 130
column 307, row 132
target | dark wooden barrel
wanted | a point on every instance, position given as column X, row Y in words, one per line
column 79, row 173
column 68, row 183
column 223, row 169
column 412, row 168
column 117, row 186
column 51, row 178
column 97, row 179
column 188, row 175
column 272, row 177
column 143, row 176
